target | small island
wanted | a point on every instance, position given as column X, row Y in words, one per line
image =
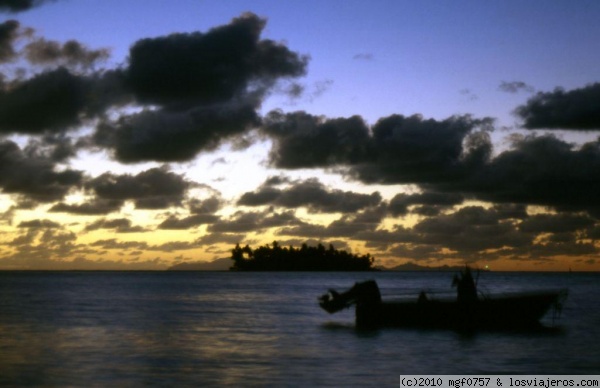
column 305, row 258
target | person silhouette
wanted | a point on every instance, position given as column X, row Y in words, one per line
column 465, row 286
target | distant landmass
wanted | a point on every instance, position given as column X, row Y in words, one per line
column 222, row 264
column 225, row 263
column 416, row 267
column 278, row 258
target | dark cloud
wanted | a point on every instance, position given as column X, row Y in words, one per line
column 264, row 196
column 577, row 109
column 206, row 206
column 197, row 89
column 207, row 68
column 306, row 93
column 9, row 31
column 474, row 231
column 220, row 238
column 382, row 239
column 277, row 180
column 515, row 87
column 21, row 5
column 71, row 53
column 173, row 246
column 119, row 225
column 348, row 225
column 511, row 211
column 417, row 150
column 34, row 175
column 549, row 249
column 54, row 147
column 50, row 100
column 540, row 170
column 306, row 141
column 37, row 224
column 397, row 149
column 195, row 220
column 164, row 135
column 58, row 100
column 467, row 232
column 105, row 90
column 94, row 207
column 155, row 188
column 113, row 243
column 313, row 195
column 242, row 222
column 400, row 203
column 555, row 223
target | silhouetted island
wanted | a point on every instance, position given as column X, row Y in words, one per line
column 305, row 258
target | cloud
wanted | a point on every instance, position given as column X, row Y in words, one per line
column 119, row 225
column 556, row 223
column 577, row 109
column 400, row 203
column 218, row 66
column 313, row 195
column 189, row 222
column 364, row 56
column 155, row 188
column 51, row 100
column 469, row 94
column 58, row 100
column 20, row 5
column 199, row 88
column 246, row 222
column 56, row 148
column 348, row 225
column 516, row 87
column 220, row 238
column 308, row 93
column 33, row 175
column 206, row 206
column 540, row 170
column 302, row 140
column 9, row 32
column 37, row 224
column 71, row 53
column 113, row 243
column 172, row 136
column 207, row 91
column 470, row 229
column 451, row 156
column 464, row 234
column 94, row 207
column 397, row 149
column 59, row 89
column 416, row 150
column 40, row 245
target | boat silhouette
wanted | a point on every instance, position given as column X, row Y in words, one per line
column 469, row 311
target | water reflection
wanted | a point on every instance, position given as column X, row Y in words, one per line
column 209, row 329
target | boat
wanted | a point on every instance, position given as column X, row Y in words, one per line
column 469, row 311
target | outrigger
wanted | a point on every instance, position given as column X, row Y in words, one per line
column 468, row 311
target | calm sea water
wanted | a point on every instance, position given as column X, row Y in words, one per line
column 202, row 329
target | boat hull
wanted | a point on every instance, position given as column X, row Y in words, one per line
column 506, row 312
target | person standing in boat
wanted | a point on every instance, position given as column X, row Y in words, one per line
column 466, row 289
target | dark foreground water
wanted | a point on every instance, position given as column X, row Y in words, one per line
column 203, row 329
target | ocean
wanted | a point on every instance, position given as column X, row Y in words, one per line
column 249, row 329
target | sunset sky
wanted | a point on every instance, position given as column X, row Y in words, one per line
column 145, row 133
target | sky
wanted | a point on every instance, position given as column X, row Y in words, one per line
column 148, row 133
